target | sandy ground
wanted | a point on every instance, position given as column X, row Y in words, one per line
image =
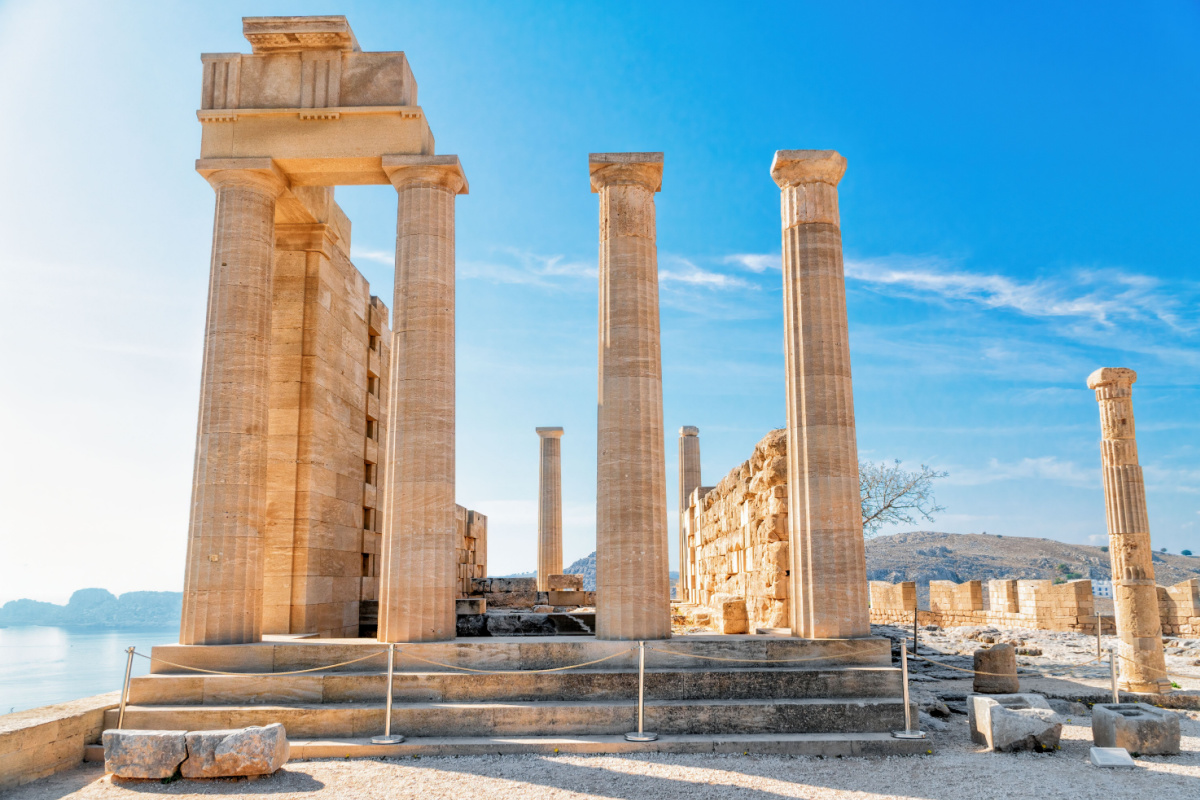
column 959, row 770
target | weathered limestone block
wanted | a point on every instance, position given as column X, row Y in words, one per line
column 731, row 614
column 470, row 605
column 1012, row 722
column 144, row 754
column 245, row 751
column 893, row 597
column 996, row 670
column 564, row 583
column 1137, row 727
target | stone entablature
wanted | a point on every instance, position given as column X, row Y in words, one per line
column 1037, row 604
column 737, row 539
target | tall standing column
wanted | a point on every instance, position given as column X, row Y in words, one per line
column 1135, row 596
column 418, row 576
column 689, row 479
column 633, row 592
column 829, row 573
column 550, row 557
column 223, row 582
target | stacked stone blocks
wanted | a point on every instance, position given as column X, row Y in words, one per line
column 472, row 549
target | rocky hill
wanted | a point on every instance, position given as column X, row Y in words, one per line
column 923, row 556
column 97, row 608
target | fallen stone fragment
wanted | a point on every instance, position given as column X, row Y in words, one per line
column 244, row 751
column 1008, row 723
column 996, row 670
column 1112, row 757
column 143, row 754
column 1136, row 727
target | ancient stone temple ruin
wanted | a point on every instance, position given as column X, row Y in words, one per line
column 324, row 504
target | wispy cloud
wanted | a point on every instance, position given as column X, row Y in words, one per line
column 378, row 256
column 1102, row 297
column 686, row 272
column 1045, row 468
column 531, row 269
column 756, row 262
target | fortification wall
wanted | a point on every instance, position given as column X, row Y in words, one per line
column 1040, row 605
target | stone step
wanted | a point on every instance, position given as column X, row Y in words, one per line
column 845, row 715
column 526, row 653
column 325, row 688
column 828, row 745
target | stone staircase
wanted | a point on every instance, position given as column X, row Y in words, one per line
column 843, row 698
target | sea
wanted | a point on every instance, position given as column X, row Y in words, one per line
column 43, row 665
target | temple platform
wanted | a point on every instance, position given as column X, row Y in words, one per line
column 492, row 695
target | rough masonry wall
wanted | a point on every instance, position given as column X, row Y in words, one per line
column 737, row 534
column 1179, row 608
column 472, row 548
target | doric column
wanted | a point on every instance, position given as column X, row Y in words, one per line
column 223, row 583
column 633, row 598
column 829, row 574
column 418, row 579
column 550, row 557
column 1135, row 596
column 689, row 479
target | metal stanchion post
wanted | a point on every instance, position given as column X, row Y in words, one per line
column 1112, row 661
column 915, row 614
column 1099, row 629
column 641, row 735
column 387, row 737
column 125, row 687
column 908, row 732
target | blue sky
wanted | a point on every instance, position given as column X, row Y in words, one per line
column 1020, row 207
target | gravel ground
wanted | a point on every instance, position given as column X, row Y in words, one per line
column 959, row 770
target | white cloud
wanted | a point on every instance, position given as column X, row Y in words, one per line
column 378, row 256
column 756, row 262
column 686, row 272
column 1099, row 296
column 1045, row 468
column 529, row 269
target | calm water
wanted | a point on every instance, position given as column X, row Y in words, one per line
column 40, row 666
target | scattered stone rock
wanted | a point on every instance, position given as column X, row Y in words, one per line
column 1137, row 727
column 927, row 722
column 1008, row 723
column 1069, row 708
column 245, row 751
column 996, row 670
column 144, row 754
column 1029, row 651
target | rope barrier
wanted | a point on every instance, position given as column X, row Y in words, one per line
column 1003, row 674
column 257, row 674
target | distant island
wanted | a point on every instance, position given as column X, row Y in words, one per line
column 97, row 608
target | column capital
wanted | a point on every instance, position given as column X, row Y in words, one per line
column 1112, row 376
column 444, row 171
column 689, row 430
column 262, row 174
column 549, row 433
column 608, row 169
column 796, row 167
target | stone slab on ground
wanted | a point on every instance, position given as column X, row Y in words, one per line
column 1111, row 758
column 1136, row 727
column 234, row 753
column 144, row 753
column 1012, row 722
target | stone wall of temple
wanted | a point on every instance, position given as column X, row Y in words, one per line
column 737, row 540
column 330, row 351
column 472, row 548
column 1041, row 605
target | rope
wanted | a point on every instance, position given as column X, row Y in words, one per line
column 752, row 660
column 257, row 674
column 1152, row 669
column 997, row 674
column 518, row 671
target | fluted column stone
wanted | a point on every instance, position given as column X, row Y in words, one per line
column 550, row 557
column 689, row 479
column 1135, row 595
column 828, row 575
column 223, row 581
column 418, row 576
column 633, row 599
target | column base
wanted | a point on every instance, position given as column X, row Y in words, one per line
column 1150, row 687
